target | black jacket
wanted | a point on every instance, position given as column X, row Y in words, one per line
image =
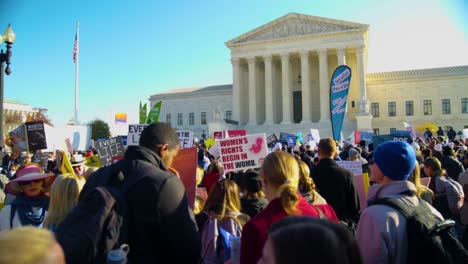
column 337, row 186
column 452, row 166
column 160, row 224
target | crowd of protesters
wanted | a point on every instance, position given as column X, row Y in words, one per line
column 300, row 206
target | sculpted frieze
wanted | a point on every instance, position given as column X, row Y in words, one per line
column 295, row 27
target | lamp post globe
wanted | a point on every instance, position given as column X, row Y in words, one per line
column 5, row 57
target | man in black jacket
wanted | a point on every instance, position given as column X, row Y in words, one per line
column 335, row 183
column 160, row 224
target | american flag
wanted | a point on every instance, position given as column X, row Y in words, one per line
column 76, row 48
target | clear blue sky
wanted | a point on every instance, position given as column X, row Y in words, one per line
column 130, row 50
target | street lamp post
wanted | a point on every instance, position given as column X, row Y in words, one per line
column 9, row 38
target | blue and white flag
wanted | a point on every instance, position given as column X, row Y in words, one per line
column 339, row 88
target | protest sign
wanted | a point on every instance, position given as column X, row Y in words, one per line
column 243, row 152
column 339, row 88
column 108, row 149
column 465, row 133
column 36, row 136
column 271, row 140
column 362, row 187
column 366, row 136
column 93, row 161
column 69, row 145
column 229, row 133
column 396, row 135
column 354, row 166
column 142, row 113
column 209, row 142
column 185, row 163
column 153, row 115
column 357, row 136
column 215, row 150
column 314, row 133
column 288, row 139
column 134, row 133
column 185, row 138
column 425, row 181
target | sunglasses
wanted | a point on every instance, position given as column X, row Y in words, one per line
column 23, row 183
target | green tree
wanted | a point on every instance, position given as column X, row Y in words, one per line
column 99, row 129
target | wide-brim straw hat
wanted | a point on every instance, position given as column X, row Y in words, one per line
column 29, row 173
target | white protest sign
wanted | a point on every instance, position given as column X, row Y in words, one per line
column 315, row 134
column 215, row 150
column 185, row 138
column 242, row 153
column 134, row 133
column 354, row 166
column 465, row 133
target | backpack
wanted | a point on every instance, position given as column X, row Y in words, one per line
column 216, row 237
column 430, row 239
column 97, row 224
column 451, row 197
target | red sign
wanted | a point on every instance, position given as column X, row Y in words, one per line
column 230, row 133
column 185, row 163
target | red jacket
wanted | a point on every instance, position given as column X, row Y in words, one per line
column 255, row 232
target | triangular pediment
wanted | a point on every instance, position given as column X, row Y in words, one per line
column 295, row 25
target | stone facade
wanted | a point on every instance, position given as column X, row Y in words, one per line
column 281, row 74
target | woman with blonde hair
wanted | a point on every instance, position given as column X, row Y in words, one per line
column 63, row 197
column 307, row 185
column 422, row 191
column 280, row 179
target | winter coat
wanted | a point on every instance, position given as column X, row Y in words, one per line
column 161, row 225
column 337, row 186
column 255, row 232
column 381, row 231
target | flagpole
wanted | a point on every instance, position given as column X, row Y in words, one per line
column 77, row 73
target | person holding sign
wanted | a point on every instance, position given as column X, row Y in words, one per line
column 280, row 180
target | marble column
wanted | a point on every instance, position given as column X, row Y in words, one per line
column 268, row 60
column 341, row 56
column 306, row 90
column 361, row 69
column 236, row 91
column 324, row 86
column 252, row 92
column 286, row 89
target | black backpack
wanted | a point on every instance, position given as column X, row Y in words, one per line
column 430, row 239
column 97, row 224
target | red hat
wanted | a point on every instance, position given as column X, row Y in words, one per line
column 29, row 172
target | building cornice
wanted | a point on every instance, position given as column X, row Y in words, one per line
column 418, row 74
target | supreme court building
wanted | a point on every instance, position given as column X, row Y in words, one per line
column 281, row 78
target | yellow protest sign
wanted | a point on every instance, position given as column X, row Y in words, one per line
column 93, row 161
column 66, row 164
column 209, row 142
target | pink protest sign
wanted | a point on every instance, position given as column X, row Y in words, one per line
column 425, row 181
column 185, row 163
column 242, row 153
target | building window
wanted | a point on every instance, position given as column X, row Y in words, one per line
column 168, row 118
column 375, row 109
column 228, row 115
column 409, row 108
column 191, row 119
column 180, row 120
column 376, row 131
column 445, row 106
column 427, row 107
column 203, row 118
column 391, row 108
column 464, row 105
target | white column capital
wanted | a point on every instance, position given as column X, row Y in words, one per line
column 268, row 56
column 284, row 55
column 360, row 50
column 322, row 52
column 304, row 53
column 341, row 51
column 251, row 60
column 235, row 60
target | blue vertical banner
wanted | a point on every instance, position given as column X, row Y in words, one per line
column 339, row 88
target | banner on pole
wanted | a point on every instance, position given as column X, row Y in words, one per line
column 339, row 88
column 142, row 113
column 242, row 153
column 153, row 115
